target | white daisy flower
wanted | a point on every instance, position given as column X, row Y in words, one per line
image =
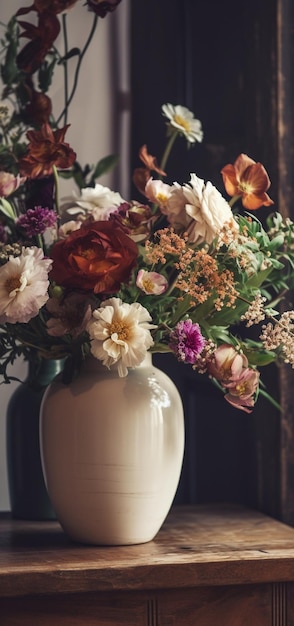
column 120, row 334
column 183, row 120
column 23, row 286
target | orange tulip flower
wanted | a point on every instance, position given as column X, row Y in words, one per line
column 247, row 180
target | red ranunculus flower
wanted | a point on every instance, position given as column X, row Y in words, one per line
column 46, row 148
column 102, row 7
column 98, row 257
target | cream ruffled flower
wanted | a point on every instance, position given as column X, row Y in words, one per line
column 208, row 210
column 23, row 286
column 98, row 202
column 120, row 334
column 184, row 121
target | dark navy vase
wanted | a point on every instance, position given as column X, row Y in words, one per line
column 28, row 494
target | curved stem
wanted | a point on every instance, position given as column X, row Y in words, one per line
column 56, row 188
column 78, row 67
column 168, row 148
column 65, row 70
column 234, row 200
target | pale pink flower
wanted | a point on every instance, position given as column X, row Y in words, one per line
column 9, row 183
column 151, row 282
column 120, row 334
column 23, row 285
column 226, row 364
column 241, row 392
column 158, row 192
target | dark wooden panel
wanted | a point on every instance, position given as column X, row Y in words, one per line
column 234, row 68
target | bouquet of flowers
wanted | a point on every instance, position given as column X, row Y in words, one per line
column 179, row 271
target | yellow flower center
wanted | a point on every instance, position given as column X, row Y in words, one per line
column 178, row 119
column 241, row 388
column 161, row 198
column 122, row 330
column 148, row 285
column 246, row 188
column 12, row 283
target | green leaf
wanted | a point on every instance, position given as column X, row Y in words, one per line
column 71, row 53
column 104, row 165
column 7, row 209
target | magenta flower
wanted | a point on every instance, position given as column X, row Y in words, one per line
column 187, row 342
column 36, row 221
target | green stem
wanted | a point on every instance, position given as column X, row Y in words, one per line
column 234, row 199
column 168, row 148
column 56, row 189
column 78, row 67
column 65, row 70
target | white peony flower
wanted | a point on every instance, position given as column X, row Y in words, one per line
column 23, row 285
column 98, row 202
column 183, row 120
column 120, row 334
column 175, row 209
column 208, row 210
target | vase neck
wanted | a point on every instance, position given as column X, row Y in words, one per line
column 42, row 371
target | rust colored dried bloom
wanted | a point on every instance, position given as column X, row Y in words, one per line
column 41, row 38
column 102, row 7
column 54, row 6
column 39, row 107
column 136, row 218
column 142, row 174
column 150, row 161
column 140, row 177
column 46, row 148
column 48, row 6
column 248, row 180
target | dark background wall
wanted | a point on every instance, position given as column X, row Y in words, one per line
column 231, row 63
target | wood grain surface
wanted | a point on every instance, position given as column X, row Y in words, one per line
column 197, row 546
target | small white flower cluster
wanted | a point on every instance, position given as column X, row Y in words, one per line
column 280, row 335
column 255, row 312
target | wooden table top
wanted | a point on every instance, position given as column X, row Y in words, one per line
column 197, row 546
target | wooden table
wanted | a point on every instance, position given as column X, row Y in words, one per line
column 208, row 566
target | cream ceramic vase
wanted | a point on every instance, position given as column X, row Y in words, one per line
column 112, row 451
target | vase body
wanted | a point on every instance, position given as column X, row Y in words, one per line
column 112, row 451
column 27, row 491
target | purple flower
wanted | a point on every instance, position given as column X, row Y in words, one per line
column 186, row 341
column 36, row 221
